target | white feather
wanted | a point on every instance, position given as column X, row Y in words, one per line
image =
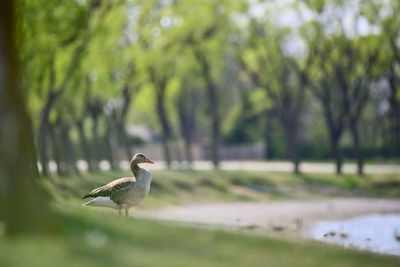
column 101, row 202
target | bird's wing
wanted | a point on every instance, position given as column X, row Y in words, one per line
column 115, row 189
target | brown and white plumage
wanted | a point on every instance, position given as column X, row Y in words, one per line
column 124, row 192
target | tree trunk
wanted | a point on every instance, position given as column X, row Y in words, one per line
column 335, row 127
column 44, row 122
column 42, row 147
column 267, row 135
column 357, row 147
column 395, row 108
column 84, row 145
column 187, row 117
column 127, row 99
column 95, row 109
column 212, row 104
column 43, row 138
column 95, row 143
column 188, row 150
column 22, row 208
column 56, row 150
column 289, row 112
column 215, row 123
column 292, row 138
column 296, row 163
column 68, row 148
column 111, row 141
column 337, row 153
column 166, row 130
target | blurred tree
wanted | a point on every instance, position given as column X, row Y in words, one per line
column 22, row 207
column 282, row 76
column 56, row 41
column 385, row 17
column 86, row 62
column 344, row 62
column 208, row 43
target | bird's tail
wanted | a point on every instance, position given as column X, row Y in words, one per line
column 101, row 202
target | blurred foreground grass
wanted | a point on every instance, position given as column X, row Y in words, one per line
column 92, row 237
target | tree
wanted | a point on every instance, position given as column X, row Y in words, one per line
column 57, row 54
column 21, row 199
column 345, row 65
column 208, row 44
column 385, row 17
column 187, row 103
column 283, row 77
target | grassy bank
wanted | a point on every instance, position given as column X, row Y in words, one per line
column 93, row 237
column 181, row 187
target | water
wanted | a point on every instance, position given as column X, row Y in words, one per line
column 375, row 232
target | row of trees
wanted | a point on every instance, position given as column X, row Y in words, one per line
column 229, row 71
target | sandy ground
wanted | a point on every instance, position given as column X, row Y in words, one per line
column 290, row 215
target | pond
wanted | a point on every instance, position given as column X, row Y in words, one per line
column 375, row 232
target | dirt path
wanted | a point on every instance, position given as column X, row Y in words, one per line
column 281, row 166
column 278, row 215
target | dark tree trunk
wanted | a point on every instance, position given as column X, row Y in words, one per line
column 267, row 135
column 95, row 110
column 43, row 132
column 111, row 141
column 337, row 153
column 357, row 147
column 84, row 145
column 186, row 135
column 160, row 84
column 188, row 150
column 127, row 99
column 70, row 158
column 187, row 107
column 166, row 130
column 22, row 208
column 215, row 124
column 167, row 154
column 335, row 126
column 292, row 141
column 42, row 147
column 177, row 151
column 212, row 104
column 56, row 150
column 125, row 143
column 395, row 108
column 95, row 143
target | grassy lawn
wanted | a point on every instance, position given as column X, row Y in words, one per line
column 182, row 187
column 92, row 237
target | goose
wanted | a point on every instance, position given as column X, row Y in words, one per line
column 125, row 192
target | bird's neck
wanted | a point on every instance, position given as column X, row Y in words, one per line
column 135, row 169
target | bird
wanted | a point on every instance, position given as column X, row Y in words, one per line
column 125, row 192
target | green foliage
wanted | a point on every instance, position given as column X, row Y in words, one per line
column 97, row 48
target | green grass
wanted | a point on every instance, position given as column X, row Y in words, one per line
column 93, row 237
column 182, row 187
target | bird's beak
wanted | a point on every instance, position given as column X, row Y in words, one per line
column 147, row 160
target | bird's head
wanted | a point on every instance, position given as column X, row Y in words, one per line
column 140, row 158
